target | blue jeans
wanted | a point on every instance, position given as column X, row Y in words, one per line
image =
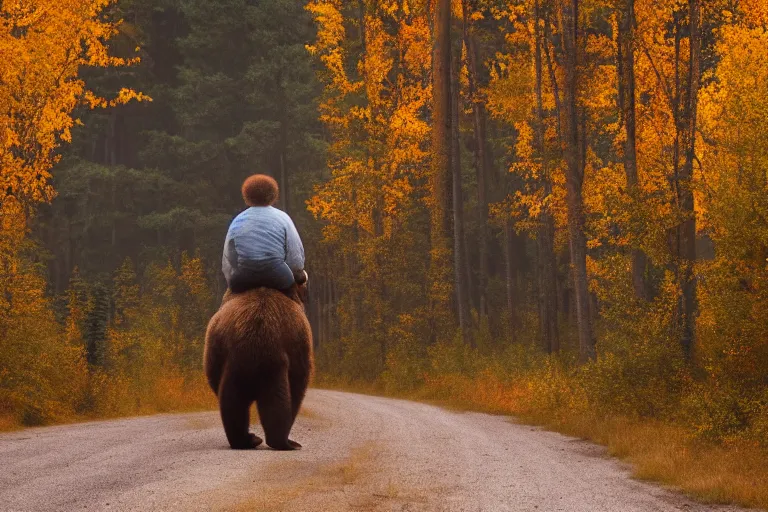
column 270, row 274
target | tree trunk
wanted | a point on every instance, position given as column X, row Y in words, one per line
column 459, row 252
column 110, row 140
column 546, row 231
column 315, row 308
column 113, row 219
column 687, row 236
column 284, row 190
column 569, row 16
column 482, row 159
column 326, row 310
column 626, row 61
column 440, row 256
column 511, row 272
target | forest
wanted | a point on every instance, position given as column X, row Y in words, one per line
column 552, row 208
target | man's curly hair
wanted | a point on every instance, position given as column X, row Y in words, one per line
column 260, row 190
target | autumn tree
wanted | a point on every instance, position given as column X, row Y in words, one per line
column 44, row 48
column 376, row 73
column 732, row 199
column 460, row 253
column 547, row 273
column 568, row 19
column 685, row 142
column 482, row 150
column 627, row 97
column 440, row 171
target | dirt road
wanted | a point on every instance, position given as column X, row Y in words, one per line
column 360, row 453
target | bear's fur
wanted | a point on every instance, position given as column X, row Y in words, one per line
column 258, row 348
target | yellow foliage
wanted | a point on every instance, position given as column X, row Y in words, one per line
column 43, row 376
column 44, row 45
column 378, row 161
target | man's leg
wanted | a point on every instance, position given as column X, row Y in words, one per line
column 288, row 281
column 244, row 279
column 276, row 275
column 281, row 276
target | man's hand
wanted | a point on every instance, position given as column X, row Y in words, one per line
column 302, row 285
column 300, row 277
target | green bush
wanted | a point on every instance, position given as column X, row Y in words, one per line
column 639, row 378
column 405, row 367
column 722, row 413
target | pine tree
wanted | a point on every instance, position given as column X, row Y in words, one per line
column 95, row 326
column 125, row 295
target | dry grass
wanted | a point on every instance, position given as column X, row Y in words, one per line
column 9, row 423
column 117, row 399
column 665, row 453
column 350, row 470
column 659, row 452
column 175, row 394
column 168, row 394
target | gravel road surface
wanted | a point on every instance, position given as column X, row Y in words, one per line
column 360, row 453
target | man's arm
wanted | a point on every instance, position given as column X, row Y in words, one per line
column 228, row 259
column 294, row 249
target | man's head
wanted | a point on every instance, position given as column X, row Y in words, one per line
column 260, row 190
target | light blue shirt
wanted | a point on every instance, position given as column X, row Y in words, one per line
column 262, row 234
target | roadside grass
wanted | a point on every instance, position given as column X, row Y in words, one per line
column 734, row 473
column 164, row 394
column 110, row 400
column 9, row 423
column 171, row 394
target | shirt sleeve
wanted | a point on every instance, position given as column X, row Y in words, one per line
column 229, row 258
column 294, row 249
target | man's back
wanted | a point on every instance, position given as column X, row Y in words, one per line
column 259, row 234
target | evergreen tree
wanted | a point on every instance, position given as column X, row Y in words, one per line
column 95, row 328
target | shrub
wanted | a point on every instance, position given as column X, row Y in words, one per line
column 639, row 378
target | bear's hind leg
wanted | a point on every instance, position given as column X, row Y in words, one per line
column 275, row 411
column 299, row 380
column 235, row 415
column 214, row 356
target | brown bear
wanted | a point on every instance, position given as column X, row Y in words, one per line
column 258, row 348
